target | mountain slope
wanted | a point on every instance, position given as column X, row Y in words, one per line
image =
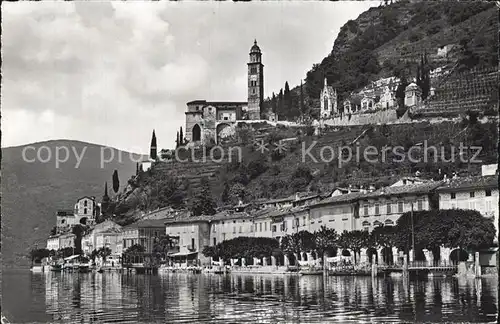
column 388, row 41
column 33, row 191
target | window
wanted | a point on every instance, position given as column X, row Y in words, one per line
column 240, row 229
column 215, row 241
column 472, row 194
column 226, row 118
column 85, row 210
column 400, row 207
column 214, row 228
column 192, row 243
column 265, row 226
column 365, row 207
column 420, row 205
column 260, row 227
column 297, row 222
column 453, row 195
column 234, row 229
column 253, row 70
column 223, row 236
column 389, row 223
column 389, row 208
column 304, row 219
column 377, row 210
column 85, row 203
column 320, row 221
column 331, row 220
column 274, row 228
column 488, row 192
column 253, row 91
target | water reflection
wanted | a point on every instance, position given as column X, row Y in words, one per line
column 95, row 297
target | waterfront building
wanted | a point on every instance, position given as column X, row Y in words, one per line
column 66, row 240
column 53, row 243
column 474, row 192
column 192, row 235
column 338, row 212
column 384, row 206
column 105, row 234
column 143, row 233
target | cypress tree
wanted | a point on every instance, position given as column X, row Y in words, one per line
column 177, row 141
column 181, row 137
column 301, row 103
column 274, row 104
column 288, row 101
column 153, row 151
column 116, row 181
column 105, row 200
column 280, row 105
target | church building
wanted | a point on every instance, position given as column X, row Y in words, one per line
column 209, row 121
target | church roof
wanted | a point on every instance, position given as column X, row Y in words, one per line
column 329, row 89
column 255, row 48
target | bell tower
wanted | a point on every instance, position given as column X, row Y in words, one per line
column 255, row 82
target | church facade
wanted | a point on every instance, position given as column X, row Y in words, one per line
column 209, row 121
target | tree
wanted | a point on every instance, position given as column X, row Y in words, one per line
column 400, row 91
column 104, row 252
column 274, row 104
column 116, row 181
column 177, row 141
column 105, row 202
column 281, row 106
column 203, row 203
column 354, row 240
column 225, row 193
column 466, row 229
column 301, row 100
column 325, row 241
column 78, row 230
column 53, row 231
column 38, row 254
column 162, row 244
column 181, row 137
column 152, row 153
column 136, row 248
column 65, row 252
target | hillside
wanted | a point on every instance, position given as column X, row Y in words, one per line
column 382, row 42
column 32, row 192
column 388, row 41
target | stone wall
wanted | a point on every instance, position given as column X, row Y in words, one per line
column 378, row 117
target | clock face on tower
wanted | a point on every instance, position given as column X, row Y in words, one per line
column 253, row 78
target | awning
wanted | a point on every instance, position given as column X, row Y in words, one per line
column 72, row 257
column 182, row 254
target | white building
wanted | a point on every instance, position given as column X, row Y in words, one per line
column 476, row 193
column 328, row 101
column 53, row 243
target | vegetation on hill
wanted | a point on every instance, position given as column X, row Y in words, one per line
column 33, row 192
column 388, row 41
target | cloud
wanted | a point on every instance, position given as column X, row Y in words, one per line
column 109, row 73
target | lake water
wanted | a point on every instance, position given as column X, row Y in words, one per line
column 191, row 298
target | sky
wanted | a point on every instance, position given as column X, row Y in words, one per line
column 110, row 72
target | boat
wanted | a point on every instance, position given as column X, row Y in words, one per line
column 56, row 267
column 84, row 268
column 310, row 271
column 36, row 269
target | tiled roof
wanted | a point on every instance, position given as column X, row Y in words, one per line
column 340, row 199
column 421, row 188
column 415, row 188
column 473, row 182
column 148, row 223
